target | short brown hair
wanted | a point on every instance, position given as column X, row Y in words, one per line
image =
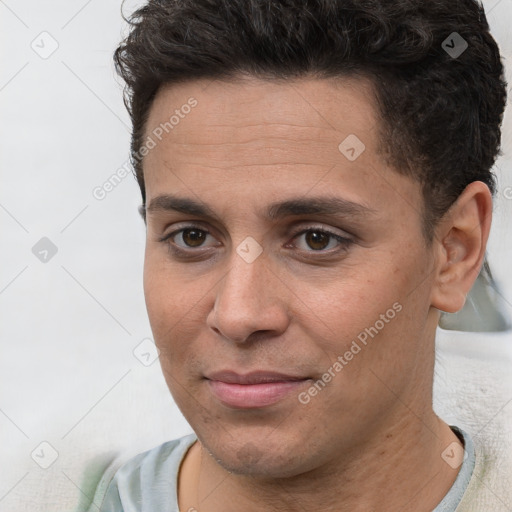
column 440, row 114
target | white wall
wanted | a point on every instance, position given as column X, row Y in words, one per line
column 69, row 325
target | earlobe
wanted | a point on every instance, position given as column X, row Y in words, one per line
column 461, row 239
column 445, row 294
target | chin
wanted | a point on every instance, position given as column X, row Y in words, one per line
column 256, row 455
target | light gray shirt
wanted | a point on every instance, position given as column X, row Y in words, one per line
column 148, row 481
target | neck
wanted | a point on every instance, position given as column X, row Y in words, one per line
column 401, row 468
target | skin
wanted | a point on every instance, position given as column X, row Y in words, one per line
column 369, row 440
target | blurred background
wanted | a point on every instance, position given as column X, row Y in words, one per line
column 75, row 344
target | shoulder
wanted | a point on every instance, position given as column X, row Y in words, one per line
column 473, row 389
column 147, row 479
column 490, row 487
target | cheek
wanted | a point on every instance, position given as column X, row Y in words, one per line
column 376, row 302
column 167, row 295
column 163, row 303
column 159, row 296
column 176, row 309
column 346, row 305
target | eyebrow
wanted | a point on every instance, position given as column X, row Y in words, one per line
column 292, row 207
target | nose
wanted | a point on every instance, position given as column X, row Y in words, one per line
column 250, row 298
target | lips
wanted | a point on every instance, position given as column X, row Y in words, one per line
column 253, row 390
column 256, row 377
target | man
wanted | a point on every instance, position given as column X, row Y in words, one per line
column 316, row 188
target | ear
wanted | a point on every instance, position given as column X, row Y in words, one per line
column 460, row 241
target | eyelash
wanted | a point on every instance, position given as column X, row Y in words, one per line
column 178, row 251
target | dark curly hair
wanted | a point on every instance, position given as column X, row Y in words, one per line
column 439, row 114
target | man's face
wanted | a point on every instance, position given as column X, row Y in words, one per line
column 241, row 291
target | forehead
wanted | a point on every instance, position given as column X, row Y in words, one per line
column 319, row 106
column 271, row 138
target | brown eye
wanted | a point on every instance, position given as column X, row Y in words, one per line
column 186, row 238
column 193, row 237
column 320, row 240
column 317, row 240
